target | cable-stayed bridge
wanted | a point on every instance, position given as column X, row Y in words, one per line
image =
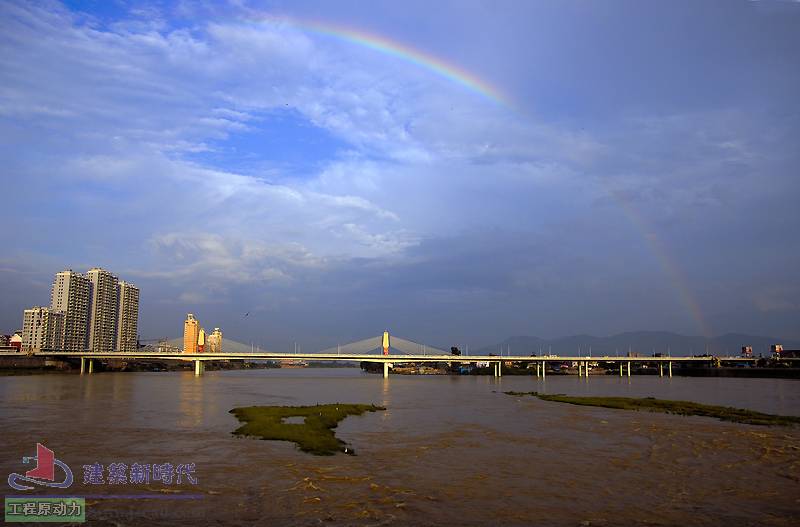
column 375, row 345
column 383, row 349
column 370, row 345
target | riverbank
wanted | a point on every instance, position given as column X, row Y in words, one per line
column 743, row 373
column 41, row 370
column 677, row 371
column 24, row 365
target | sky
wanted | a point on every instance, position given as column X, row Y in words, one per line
column 455, row 172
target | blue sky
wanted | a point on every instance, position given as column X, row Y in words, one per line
column 643, row 174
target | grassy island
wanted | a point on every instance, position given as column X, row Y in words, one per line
column 314, row 434
column 649, row 404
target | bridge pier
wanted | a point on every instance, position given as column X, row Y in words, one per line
column 660, row 369
column 586, row 369
column 669, row 364
column 91, row 366
column 83, row 365
column 199, row 368
column 544, row 368
column 629, row 368
column 580, row 365
column 498, row 369
column 385, row 370
column 620, row 369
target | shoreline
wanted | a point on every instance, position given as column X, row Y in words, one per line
column 23, row 365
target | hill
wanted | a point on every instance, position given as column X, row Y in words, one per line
column 642, row 342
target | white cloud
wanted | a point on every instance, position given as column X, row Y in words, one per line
column 221, row 261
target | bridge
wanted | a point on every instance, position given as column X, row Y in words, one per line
column 386, row 350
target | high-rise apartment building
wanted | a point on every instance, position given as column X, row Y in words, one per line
column 191, row 332
column 215, row 341
column 95, row 312
column 103, row 310
column 127, row 317
column 42, row 329
column 70, row 294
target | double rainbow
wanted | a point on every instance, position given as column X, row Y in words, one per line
column 482, row 87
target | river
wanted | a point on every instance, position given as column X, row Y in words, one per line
column 447, row 451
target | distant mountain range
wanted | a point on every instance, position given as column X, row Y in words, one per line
column 642, row 342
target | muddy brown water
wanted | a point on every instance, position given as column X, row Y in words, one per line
column 447, row 451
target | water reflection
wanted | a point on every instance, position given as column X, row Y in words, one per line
column 191, row 399
column 87, row 386
column 386, row 401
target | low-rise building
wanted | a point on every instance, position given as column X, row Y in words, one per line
column 5, row 344
column 16, row 341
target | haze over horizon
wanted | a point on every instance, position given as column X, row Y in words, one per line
column 459, row 174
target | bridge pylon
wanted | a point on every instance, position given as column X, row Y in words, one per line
column 386, row 342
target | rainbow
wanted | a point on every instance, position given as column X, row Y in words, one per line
column 670, row 267
column 398, row 50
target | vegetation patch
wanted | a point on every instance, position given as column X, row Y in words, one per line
column 314, row 435
column 649, row 404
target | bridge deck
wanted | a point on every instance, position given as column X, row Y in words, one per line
column 369, row 357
